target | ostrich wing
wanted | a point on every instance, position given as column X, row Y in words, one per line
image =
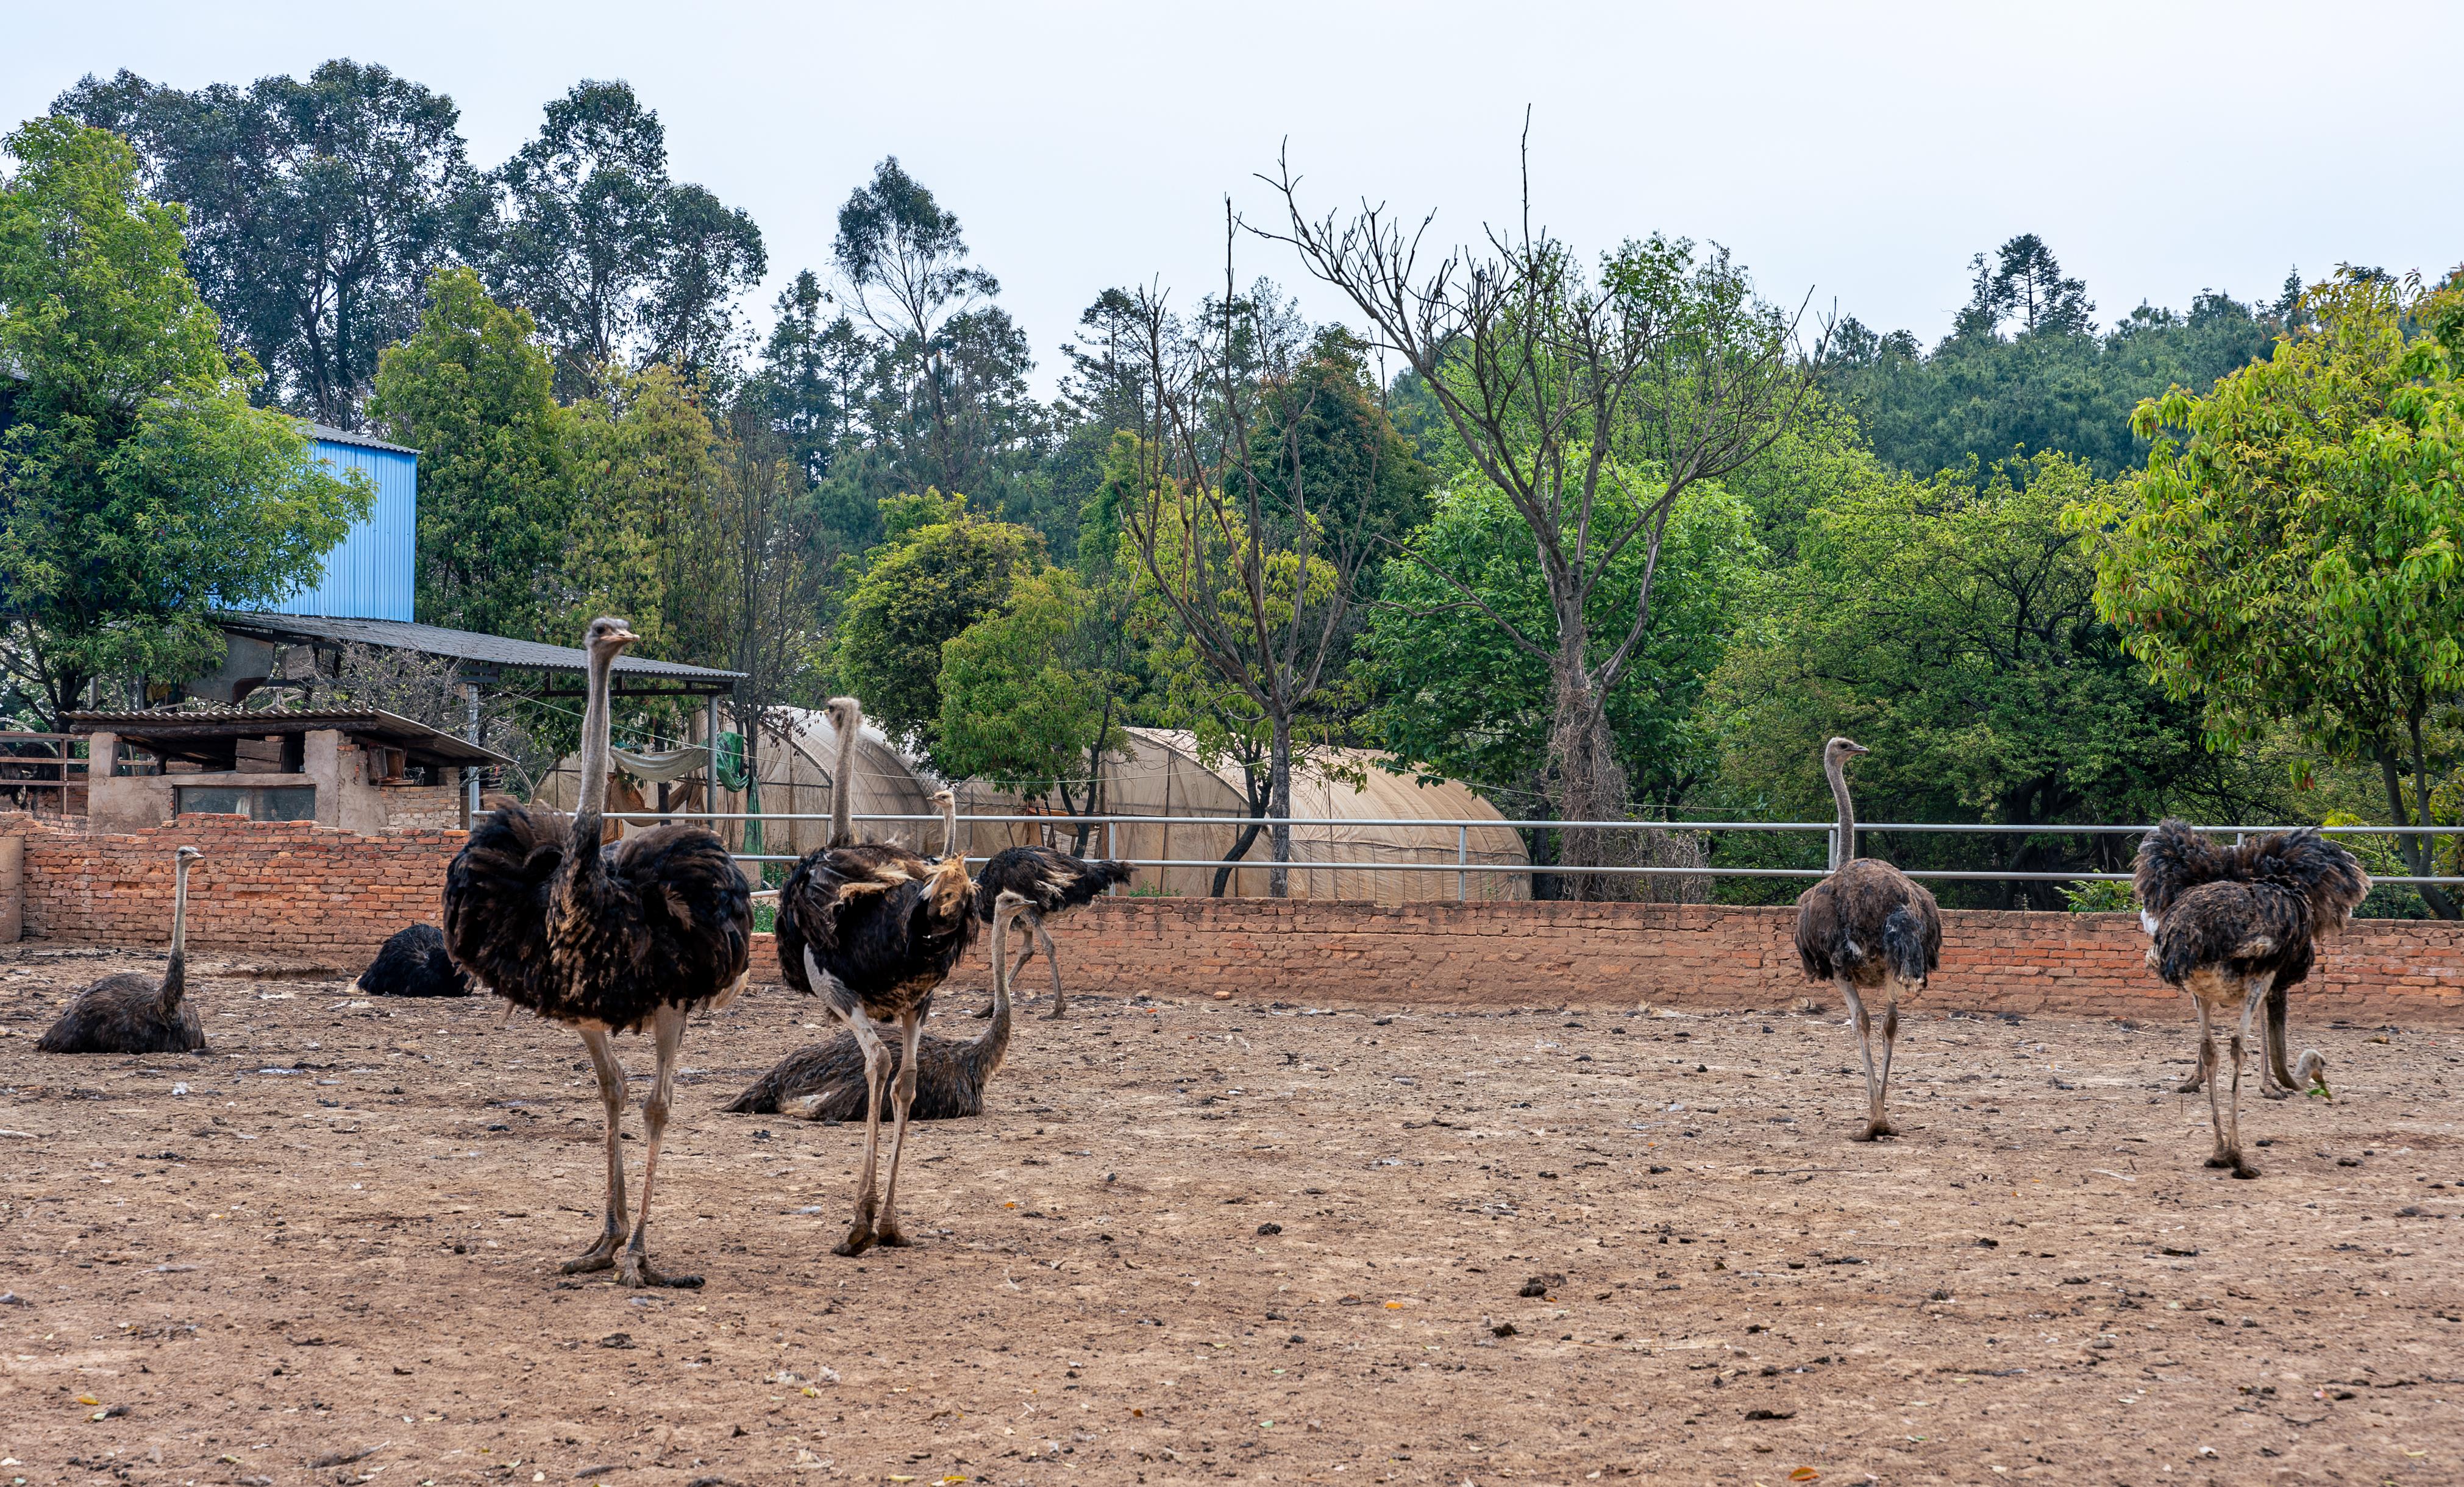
column 496, row 902
column 696, row 908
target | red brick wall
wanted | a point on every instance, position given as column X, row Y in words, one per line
column 301, row 892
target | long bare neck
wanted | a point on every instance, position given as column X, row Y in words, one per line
column 950, row 827
column 591, row 799
column 175, row 978
column 1845, row 851
column 994, row 1042
column 842, row 788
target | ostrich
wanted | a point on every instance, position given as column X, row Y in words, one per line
column 414, row 963
column 872, row 929
column 1053, row 883
column 606, row 939
column 129, row 1013
column 2227, row 924
column 2184, row 858
column 828, row 1082
column 1867, row 925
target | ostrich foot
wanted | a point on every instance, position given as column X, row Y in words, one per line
column 2272, row 1092
column 890, row 1237
column 2220, row 1160
column 2241, row 1168
column 2192, row 1085
column 634, row 1271
column 601, row 1255
column 1054, row 1016
column 860, row 1238
column 1876, row 1130
column 981, row 1013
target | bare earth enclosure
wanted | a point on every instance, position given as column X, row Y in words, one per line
column 1199, row 1239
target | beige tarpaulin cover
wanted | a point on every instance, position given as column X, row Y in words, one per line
column 1159, row 774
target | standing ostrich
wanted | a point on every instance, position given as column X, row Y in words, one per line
column 828, row 1081
column 2230, row 923
column 414, row 963
column 1867, row 925
column 606, row 939
column 2172, row 861
column 129, row 1013
column 1053, row 883
column 873, row 929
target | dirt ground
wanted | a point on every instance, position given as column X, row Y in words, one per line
column 1198, row 1238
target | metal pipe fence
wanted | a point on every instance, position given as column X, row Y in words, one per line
column 1462, row 867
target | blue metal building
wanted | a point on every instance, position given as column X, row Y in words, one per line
column 368, row 575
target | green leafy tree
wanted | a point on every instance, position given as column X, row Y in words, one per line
column 1018, row 704
column 1951, row 625
column 942, row 569
column 2291, row 551
column 316, row 211
column 474, row 392
column 646, row 469
column 139, row 490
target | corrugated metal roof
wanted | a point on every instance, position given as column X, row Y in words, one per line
column 432, row 639
column 194, row 723
column 333, row 435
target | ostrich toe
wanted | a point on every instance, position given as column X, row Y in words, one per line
column 1876, row 1130
column 860, row 1238
column 601, row 1255
column 634, row 1271
column 2220, row 1160
column 891, row 1237
column 2192, row 1085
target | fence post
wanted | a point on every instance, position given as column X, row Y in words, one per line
column 1463, row 855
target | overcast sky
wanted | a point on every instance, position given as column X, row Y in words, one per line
column 1861, row 153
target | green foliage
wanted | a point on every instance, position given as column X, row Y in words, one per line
column 473, row 391
column 644, row 470
column 1019, row 706
column 1953, row 627
column 918, row 592
column 139, row 491
column 1455, row 694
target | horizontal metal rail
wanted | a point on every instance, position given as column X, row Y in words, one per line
column 1862, row 827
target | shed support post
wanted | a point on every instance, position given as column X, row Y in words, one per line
column 471, row 775
column 1463, row 855
column 710, row 710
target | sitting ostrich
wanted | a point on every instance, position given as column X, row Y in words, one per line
column 2229, row 923
column 1053, row 883
column 1867, row 927
column 873, row 928
column 129, row 1013
column 605, row 938
column 414, row 963
column 828, row 1081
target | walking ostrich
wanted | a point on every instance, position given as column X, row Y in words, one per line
column 872, row 929
column 606, row 939
column 1054, row 884
column 1867, row 927
column 2186, row 858
column 129, row 1013
column 414, row 963
column 828, row 1081
column 2230, row 923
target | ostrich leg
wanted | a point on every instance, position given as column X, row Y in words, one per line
column 2208, row 1072
column 611, row 1094
column 2275, row 1080
column 2241, row 1167
column 1051, row 960
column 1862, row 1025
column 877, row 1072
column 911, row 1029
column 633, row 1267
column 1890, row 1040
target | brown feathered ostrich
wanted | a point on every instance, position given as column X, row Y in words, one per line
column 1054, row 884
column 873, row 928
column 414, row 963
column 129, row 1013
column 1867, row 927
column 607, row 938
column 828, row 1081
column 2229, row 925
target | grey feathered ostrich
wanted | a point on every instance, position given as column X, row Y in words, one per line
column 1053, row 883
column 414, row 963
column 828, row 1081
column 873, row 928
column 605, row 938
column 1867, row 927
column 129, row 1013
column 2227, row 924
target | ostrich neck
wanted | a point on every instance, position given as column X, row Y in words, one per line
column 175, row 978
column 1846, row 849
column 843, row 787
column 591, row 799
column 949, row 828
column 995, row 1039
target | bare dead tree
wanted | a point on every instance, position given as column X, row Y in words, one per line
column 1592, row 401
column 1254, row 568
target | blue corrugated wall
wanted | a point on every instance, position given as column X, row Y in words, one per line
column 368, row 576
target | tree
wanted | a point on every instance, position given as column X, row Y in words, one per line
column 943, row 569
column 1568, row 391
column 474, row 392
column 646, row 471
column 813, row 377
column 316, row 211
column 139, row 490
column 610, row 255
column 1018, row 704
column 2291, row 551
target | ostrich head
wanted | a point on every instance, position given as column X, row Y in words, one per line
column 608, row 637
column 187, row 855
column 1840, row 751
column 843, row 713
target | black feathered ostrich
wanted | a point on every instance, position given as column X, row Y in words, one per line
column 129, row 1013
column 606, row 939
column 1866, row 928
column 2227, row 924
column 1053, row 883
column 414, row 963
column 873, row 928
column 2183, row 858
column 828, row 1081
